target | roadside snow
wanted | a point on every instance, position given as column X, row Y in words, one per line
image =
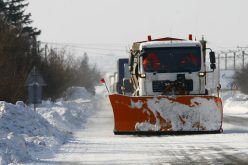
column 235, row 112
column 26, row 133
column 96, row 144
column 33, row 137
column 69, row 114
column 236, row 103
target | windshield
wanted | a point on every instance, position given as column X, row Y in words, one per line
column 173, row 59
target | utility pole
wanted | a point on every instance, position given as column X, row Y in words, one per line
column 234, row 60
column 243, row 59
column 46, row 52
column 242, row 48
column 225, row 61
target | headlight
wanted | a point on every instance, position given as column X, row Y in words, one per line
column 143, row 75
column 202, row 74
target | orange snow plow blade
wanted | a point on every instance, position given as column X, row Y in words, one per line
column 166, row 114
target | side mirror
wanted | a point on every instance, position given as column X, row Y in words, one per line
column 212, row 57
column 213, row 66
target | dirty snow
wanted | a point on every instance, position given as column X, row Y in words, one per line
column 137, row 104
column 201, row 110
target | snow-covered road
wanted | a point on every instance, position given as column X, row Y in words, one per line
column 96, row 144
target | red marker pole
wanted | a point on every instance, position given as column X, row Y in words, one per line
column 103, row 82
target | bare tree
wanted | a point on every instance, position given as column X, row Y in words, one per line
column 241, row 77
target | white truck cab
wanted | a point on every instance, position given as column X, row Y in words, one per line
column 170, row 67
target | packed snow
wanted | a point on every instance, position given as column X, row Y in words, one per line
column 237, row 103
column 78, row 129
column 96, row 144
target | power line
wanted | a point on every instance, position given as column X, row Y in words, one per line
column 242, row 47
column 94, row 53
column 80, row 46
column 104, row 54
column 234, row 56
column 70, row 43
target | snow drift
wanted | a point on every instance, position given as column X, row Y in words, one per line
column 25, row 132
column 236, row 103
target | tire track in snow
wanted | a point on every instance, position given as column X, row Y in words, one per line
column 236, row 120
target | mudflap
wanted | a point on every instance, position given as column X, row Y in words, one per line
column 167, row 114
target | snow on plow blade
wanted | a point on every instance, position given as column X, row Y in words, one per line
column 166, row 114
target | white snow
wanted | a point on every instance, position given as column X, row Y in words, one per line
column 147, row 126
column 78, row 130
column 168, row 43
column 26, row 133
column 96, row 144
column 237, row 103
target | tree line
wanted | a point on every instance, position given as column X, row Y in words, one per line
column 20, row 51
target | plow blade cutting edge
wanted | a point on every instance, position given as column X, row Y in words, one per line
column 167, row 114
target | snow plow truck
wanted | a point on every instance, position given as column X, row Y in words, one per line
column 161, row 89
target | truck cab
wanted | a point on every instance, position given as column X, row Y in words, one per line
column 168, row 66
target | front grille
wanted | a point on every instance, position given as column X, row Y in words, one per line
column 158, row 86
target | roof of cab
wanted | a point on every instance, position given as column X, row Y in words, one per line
column 164, row 42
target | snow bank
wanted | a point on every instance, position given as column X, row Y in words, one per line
column 235, row 103
column 13, row 148
column 25, row 133
column 18, row 125
column 68, row 114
